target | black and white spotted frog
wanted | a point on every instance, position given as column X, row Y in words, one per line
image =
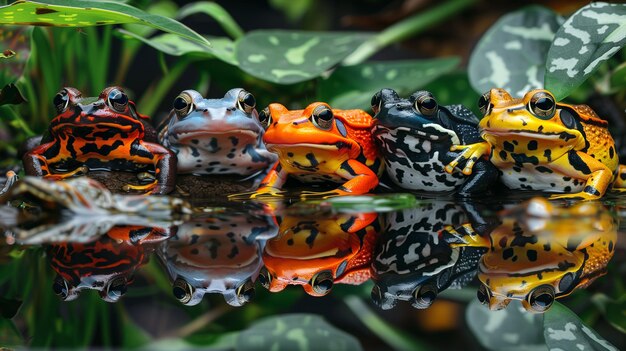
column 216, row 136
column 414, row 263
column 415, row 136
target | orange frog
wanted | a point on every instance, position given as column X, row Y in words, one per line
column 320, row 252
column 320, row 144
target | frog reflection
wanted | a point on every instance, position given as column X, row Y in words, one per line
column 319, row 252
column 217, row 254
column 106, row 265
column 414, row 263
column 541, row 252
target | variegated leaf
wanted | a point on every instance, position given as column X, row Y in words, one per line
column 287, row 57
column 511, row 55
column 589, row 37
column 563, row 330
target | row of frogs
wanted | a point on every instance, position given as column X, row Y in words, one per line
column 531, row 143
column 534, row 252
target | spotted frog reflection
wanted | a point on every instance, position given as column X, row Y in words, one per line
column 414, row 263
column 541, row 252
column 217, row 254
column 317, row 252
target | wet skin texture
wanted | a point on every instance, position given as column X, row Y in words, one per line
column 107, row 134
column 216, row 136
column 415, row 136
column 538, row 144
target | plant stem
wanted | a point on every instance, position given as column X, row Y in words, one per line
column 405, row 29
column 380, row 328
column 150, row 101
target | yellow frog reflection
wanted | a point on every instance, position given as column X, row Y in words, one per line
column 541, row 252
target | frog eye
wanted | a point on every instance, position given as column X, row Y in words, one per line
column 245, row 292
column 424, row 296
column 116, row 289
column 322, row 282
column 61, row 101
column 541, row 298
column 542, row 105
column 182, row 291
column 246, row 102
column 376, row 102
column 484, row 103
column 183, row 105
column 265, row 278
column 483, row 295
column 60, row 288
column 117, row 100
column 426, row 104
column 323, row 117
column 265, row 118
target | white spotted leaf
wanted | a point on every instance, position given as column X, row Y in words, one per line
column 288, row 57
column 306, row 332
column 511, row 55
column 565, row 331
column 353, row 86
column 589, row 37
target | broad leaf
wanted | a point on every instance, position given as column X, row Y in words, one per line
column 287, row 57
column 79, row 13
column 507, row 329
column 221, row 47
column 353, row 86
column 215, row 11
column 295, row 332
column 564, row 330
column 589, row 37
column 512, row 54
column 11, row 95
column 9, row 307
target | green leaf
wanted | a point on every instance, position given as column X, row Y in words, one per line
column 10, row 94
column 564, row 330
column 221, row 47
column 295, row 332
column 287, row 57
column 353, row 86
column 455, row 88
column 589, row 37
column 216, row 12
column 616, row 313
column 508, row 329
column 293, row 9
column 512, row 54
column 79, row 13
column 618, row 78
column 9, row 307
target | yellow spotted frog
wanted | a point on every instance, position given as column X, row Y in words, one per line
column 320, row 144
column 539, row 144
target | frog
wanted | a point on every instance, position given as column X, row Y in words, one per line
column 540, row 144
column 415, row 136
column 217, row 136
column 82, row 209
column 412, row 261
column 220, row 253
column 106, row 264
column 106, row 134
column 317, row 252
column 541, row 252
column 320, row 144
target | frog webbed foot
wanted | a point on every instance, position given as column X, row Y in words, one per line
column 80, row 171
column 468, row 156
column 259, row 194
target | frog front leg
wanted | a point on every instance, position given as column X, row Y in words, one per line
column 269, row 187
column 579, row 165
column 37, row 162
column 164, row 162
column 470, row 154
column 360, row 180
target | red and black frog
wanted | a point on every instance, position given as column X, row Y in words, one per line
column 318, row 252
column 107, row 264
column 317, row 145
column 105, row 134
column 541, row 252
column 413, row 262
column 415, row 136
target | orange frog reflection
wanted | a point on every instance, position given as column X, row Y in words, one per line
column 318, row 253
column 541, row 252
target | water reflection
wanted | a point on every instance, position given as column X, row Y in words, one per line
column 535, row 252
